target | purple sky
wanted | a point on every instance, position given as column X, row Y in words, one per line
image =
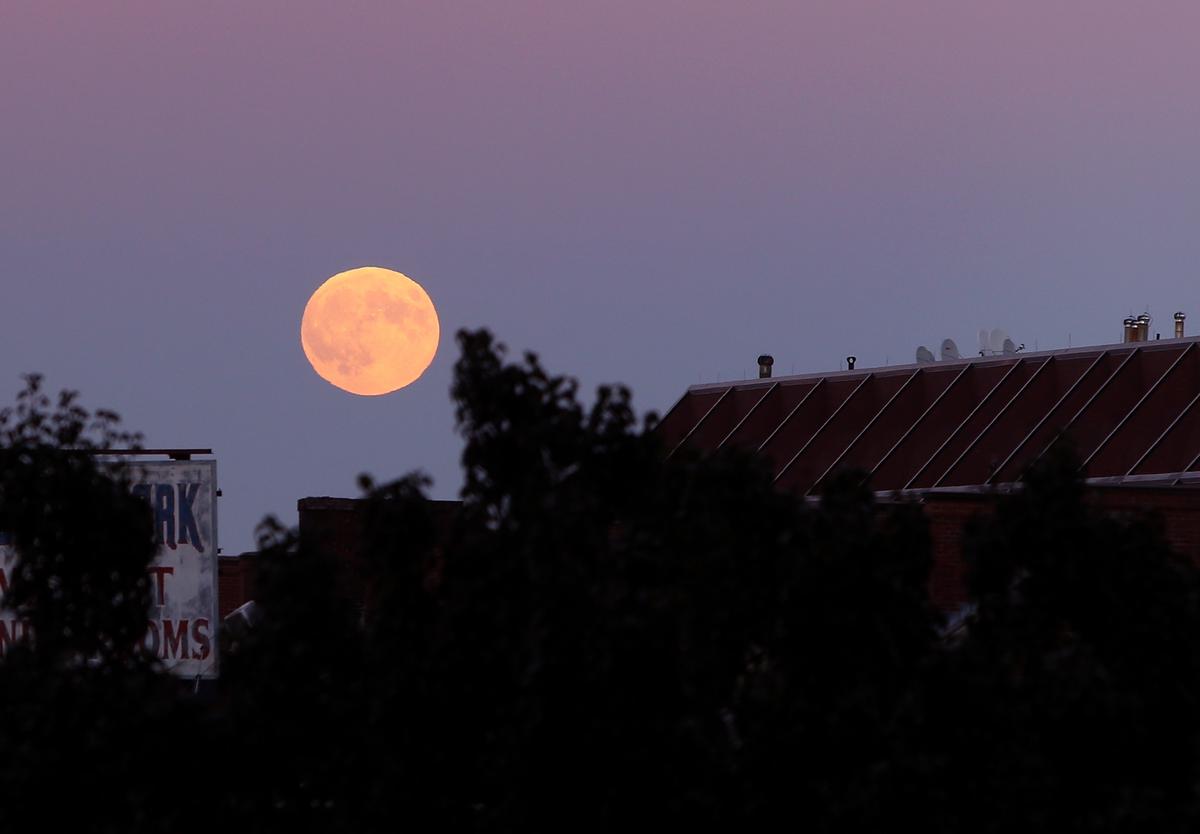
column 647, row 192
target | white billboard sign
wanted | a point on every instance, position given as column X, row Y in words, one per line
column 182, row 627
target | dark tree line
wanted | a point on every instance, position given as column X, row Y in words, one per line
column 603, row 637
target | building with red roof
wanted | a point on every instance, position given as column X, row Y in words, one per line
column 953, row 433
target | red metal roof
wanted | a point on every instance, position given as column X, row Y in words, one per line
column 1130, row 410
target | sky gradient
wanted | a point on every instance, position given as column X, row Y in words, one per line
column 643, row 192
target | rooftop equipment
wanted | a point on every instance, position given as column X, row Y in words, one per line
column 764, row 366
column 1143, row 326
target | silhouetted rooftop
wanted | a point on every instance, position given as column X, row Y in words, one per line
column 1129, row 408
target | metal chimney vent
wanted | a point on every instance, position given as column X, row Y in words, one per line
column 764, row 366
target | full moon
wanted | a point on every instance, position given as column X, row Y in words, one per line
column 370, row 331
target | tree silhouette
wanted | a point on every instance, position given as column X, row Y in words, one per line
column 610, row 628
column 84, row 709
column 601, row 635
column 294, row 750
column 1073, row 704
column 83, row 541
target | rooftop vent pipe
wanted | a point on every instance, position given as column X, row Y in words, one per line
column 1143, row 327
column 1130, row 334
column 1179, row 317
column 764, row 366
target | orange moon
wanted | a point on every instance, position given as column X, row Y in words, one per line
column 370, row 331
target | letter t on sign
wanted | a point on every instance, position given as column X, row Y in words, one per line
column 160, row 573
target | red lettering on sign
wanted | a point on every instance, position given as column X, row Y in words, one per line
column 203, row 641
column 152, row 640
column 175, row 639
column 160, row 573
column 10, row 632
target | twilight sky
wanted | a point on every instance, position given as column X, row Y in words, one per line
column 647, row 192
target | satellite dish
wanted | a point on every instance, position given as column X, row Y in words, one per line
column 924, row 355
column 996, row 340
column 1009, row 348
column 949, row 350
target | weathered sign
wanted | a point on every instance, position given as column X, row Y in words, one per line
column 182, row 624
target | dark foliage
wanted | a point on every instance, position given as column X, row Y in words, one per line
column 84, row 540
column 1077, row 690
column 604, row 635
column 295, row 753
column 654, row 640
column 85, row 713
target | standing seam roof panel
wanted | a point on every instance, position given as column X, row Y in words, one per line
column 1132, row 410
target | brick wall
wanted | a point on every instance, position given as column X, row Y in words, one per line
column 1175, row 509
column 948, row 515
column 235, row 582
column 334, row 525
